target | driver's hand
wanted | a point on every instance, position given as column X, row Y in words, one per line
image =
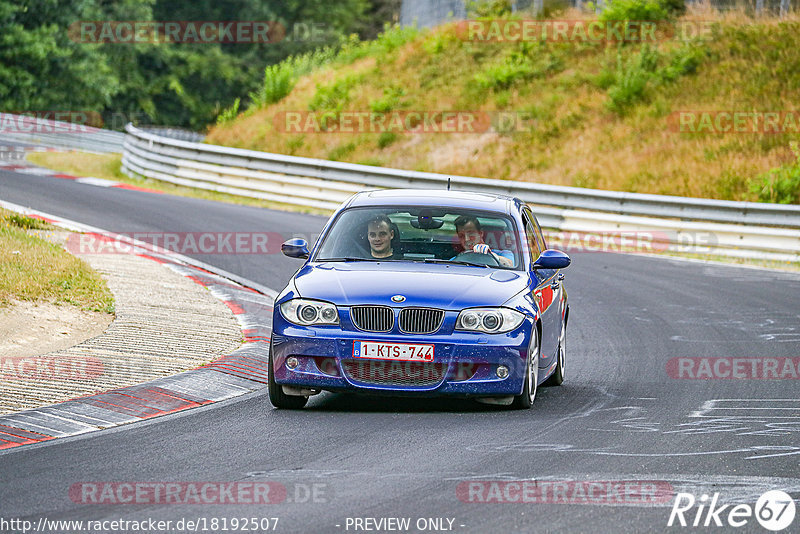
column 482, row 248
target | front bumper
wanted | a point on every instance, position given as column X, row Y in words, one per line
column 465, row 363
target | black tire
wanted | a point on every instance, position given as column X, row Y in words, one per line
column 557, row 378
column 525, row 400
column 277, row 397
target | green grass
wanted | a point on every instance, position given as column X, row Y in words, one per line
column 34, row 269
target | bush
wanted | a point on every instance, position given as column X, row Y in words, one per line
column 502, row 75
column 631, row 78
column 641, row 10
column 392, row 38
column 279, row 79
column 229, row 114
column 440, row 41
column 341, row 151
column 389, row 101
column 528, row 61
column 638, row 10
column 780, row 185
column 675, row 8
column 686, row 60
column 386, row 139
column 628, row 83
column 333, row 97
column 488, row 8
column 278, row 82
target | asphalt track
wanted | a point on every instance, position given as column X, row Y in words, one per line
column 619, row 415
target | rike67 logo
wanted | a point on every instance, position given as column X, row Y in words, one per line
column 774, row 510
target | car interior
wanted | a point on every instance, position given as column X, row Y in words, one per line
column 418, row 235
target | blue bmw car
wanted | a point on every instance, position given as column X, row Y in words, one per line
column 422, row 293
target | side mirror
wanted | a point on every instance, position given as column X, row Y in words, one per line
column 552, row 259
column 295, row 248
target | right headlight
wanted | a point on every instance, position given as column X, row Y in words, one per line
column 490, row 320
column 307, row 312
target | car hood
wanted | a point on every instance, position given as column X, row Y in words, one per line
column 446, row 286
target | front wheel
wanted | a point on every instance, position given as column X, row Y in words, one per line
column 525, row 400
column 277, row 397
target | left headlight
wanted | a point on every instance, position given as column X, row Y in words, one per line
column 306, row 312
column 489, row 320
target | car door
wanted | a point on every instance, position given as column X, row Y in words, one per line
column 556, row 284
column 546, row 283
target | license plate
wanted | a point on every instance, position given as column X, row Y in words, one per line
column 393, row 351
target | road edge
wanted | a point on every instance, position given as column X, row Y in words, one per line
column 241, row 372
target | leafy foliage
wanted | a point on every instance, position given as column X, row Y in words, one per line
column 635, row 10
column 781, row 185
column 629, row 81
column 279, row 79
column 488, row 8
column 527, row 61
column 44, row 67
column 389, row 101
column 229, row 114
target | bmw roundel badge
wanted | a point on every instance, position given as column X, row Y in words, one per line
column 398, row 298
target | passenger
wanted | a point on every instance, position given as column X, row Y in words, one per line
column 380, row 235
column 471, row 236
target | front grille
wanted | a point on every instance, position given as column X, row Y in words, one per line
column 421, row 320
column 394, row 373
column 372, row 318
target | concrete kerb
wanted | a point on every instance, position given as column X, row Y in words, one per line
column 242, row 371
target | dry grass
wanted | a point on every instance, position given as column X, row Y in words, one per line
column 33, row 269
column 571, row 137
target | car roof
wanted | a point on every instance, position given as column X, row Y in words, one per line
column 433, row 197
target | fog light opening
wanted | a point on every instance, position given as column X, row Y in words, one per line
column 292, row 362
column 502, row 371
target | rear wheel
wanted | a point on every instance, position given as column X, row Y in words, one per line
column 277, row 397
column 557, row 378
column 525, row 400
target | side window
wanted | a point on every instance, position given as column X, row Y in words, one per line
column 530, row 234
column 539, row 236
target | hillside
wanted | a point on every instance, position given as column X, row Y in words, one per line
column 619, row 116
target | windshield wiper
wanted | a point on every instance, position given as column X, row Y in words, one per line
column 347, row 259
column 356, row 259
column 456, row 262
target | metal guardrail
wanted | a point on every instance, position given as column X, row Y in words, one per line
column 174, row 133
column 57, row 134
column 740, row 228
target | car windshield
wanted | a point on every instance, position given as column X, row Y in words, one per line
column 431, row 235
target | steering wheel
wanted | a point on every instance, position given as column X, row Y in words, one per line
column 478, row 258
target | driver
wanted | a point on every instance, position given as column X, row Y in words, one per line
column 469, row 232
column 380, row 236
